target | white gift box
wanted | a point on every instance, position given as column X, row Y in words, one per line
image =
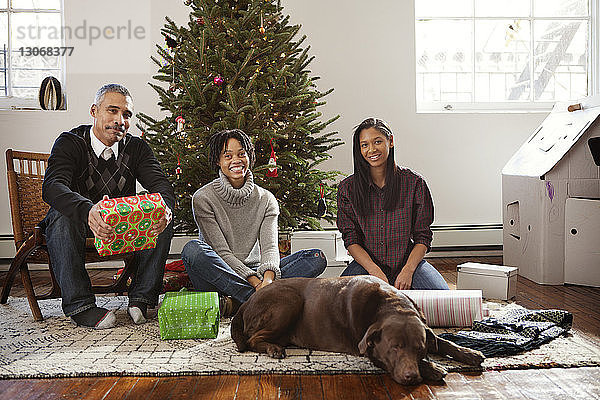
column 330, row 242
column 495, row 281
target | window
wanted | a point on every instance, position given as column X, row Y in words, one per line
column 28, row 28
column 476, row 55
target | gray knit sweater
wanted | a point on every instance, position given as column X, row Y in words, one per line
column 239, row 224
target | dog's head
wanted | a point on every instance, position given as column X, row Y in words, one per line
column 397, row 344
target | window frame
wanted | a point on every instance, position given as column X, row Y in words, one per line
column 11, row 102
column 593, row 71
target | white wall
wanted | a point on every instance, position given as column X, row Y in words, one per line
column 364, row 49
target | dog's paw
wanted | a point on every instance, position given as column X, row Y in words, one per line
column 473, row 357
column 431, row 371
column 275, row 351
column 437, row 374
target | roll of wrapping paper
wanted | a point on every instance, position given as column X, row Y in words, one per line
column 448, row 308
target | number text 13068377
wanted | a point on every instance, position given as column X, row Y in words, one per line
column 45, row 51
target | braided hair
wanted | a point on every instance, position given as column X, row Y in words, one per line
column 218, row 141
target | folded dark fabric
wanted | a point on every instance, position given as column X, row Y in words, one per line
column 518, row 330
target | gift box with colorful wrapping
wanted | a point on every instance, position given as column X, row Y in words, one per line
column 131, row 217
column 189, row 315
column 449, row 308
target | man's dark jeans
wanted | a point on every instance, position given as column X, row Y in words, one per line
column 66, row 246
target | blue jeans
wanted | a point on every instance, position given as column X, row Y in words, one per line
column 209, row 273
column 426, row 277
column 66, row 247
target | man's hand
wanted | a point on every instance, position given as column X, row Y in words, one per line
column 101, row 229
column 160, row 225
column 268, row 277
column 404, row 279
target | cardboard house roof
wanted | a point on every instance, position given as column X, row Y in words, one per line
column 553, row 138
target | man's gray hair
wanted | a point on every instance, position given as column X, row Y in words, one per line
column 110, row 88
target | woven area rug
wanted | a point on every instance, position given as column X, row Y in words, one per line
column 55, row 348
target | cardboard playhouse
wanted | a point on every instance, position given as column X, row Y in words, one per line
column 551, row 198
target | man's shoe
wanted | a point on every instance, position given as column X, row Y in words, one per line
column 96, row 317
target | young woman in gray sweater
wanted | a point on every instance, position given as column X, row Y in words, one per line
column 237, row 252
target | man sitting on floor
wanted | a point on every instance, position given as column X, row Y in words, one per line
column 86, row 164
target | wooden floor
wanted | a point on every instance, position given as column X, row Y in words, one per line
column 577, row 383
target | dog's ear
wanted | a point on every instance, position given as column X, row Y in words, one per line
column 419, row 311
column 372, row 335
column 431, row 341
column 363, row 304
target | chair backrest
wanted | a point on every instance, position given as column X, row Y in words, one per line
column 25, row 172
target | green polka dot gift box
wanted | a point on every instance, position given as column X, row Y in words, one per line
column 189, row 315
column 131, row 218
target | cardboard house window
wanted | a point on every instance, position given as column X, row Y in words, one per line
column 31, row 49
column 594, row 145
column 489, row 55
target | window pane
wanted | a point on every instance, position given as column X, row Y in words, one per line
column 3, row 28
column 560, row 8
column 26, row 83
column 560, row 60
column 505, row 8
column 36, row 4
column 502, row 53
column 3, row 39
column 443, row 8
column 3, row 89
column 444, row 59
column 3, row 4
column 36, row 31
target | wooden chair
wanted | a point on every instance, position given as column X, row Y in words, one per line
column 25, row 172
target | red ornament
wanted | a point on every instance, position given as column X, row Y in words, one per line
column 178, row 170
column 180, row 123
column 200, row 21
column 218, row 80
column 272, row 172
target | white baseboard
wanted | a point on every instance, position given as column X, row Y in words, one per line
column 466, row 235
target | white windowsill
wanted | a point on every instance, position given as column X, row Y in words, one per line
column 486, row 111
column 485, row 108
column 14, row 104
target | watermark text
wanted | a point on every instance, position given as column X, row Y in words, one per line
column 83, row 31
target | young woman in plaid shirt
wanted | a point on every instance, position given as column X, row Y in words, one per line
column 385, row 214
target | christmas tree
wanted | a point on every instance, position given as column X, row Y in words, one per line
column 238, row 64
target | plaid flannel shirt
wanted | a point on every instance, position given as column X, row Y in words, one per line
column 388, row 236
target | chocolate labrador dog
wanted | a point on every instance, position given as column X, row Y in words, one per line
column 359, row 315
